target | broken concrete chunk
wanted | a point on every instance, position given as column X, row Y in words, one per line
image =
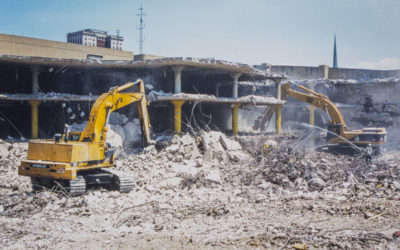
column 172, row 182
column 208, row 155
column 173, row 148
column 396, row 185
column 182, row 150
column 3, row 152
column 229, row 144
column 213, row 176
column 187, row 139
column 316, row 183
column 265, row 185
column 199, row 163
column 150, row 149
column 211, row 140
column 178, row 158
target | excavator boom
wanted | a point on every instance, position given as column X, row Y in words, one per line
column 316, row 99
column 96, row 128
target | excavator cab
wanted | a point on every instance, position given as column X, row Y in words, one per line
column 334, row 130
column 74, row 136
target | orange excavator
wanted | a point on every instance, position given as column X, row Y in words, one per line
column 338, row 132
column 76, row 160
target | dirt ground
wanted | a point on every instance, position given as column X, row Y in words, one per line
column 212, row 192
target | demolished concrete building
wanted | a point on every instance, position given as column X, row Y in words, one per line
column 45, row 93
column 40, row 94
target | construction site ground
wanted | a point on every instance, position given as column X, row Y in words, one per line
column 212, row 191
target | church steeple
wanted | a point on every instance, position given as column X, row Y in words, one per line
column 335, row 65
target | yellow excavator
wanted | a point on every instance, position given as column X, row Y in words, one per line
column 76, row 160
column 338, row 132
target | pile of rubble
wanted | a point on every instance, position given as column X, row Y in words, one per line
column 10, row 155
column 291, row 169
column 177, row 161
column 209, row 190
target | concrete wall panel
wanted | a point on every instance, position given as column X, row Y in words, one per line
column 304, row 72
column 25, row 46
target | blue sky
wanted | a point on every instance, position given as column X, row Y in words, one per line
column 291, row 32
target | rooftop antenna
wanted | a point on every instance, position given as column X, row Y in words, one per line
column 141, row 27
column 118, row 46
column 335, row 64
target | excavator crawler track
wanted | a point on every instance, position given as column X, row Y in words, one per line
column 36, row 184
column 123, row 184
column 77, row 186
column 120, row 181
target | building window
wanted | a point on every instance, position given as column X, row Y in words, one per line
column 91, row 56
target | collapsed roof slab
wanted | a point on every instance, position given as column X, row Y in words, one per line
column 249, row 100
column 46, row 97
column 235, row 103
column 244, row 100
column 207, row 71
column 190, row 64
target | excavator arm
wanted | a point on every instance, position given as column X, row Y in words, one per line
column 316, row 99
column 97, row 126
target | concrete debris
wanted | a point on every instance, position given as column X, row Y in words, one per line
column 347, row 81
column 210, row 63
column 316, row 183
column 249, row 99
column 50, row 96
column 212, row 191
column 153, row 94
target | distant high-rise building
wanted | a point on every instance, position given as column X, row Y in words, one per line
column 335, row 64
column 95, row 38
column 114, row 42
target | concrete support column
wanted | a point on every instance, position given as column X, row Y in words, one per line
column 34, row 118
column 178, row 78
column 235, row 116
column 235, row 87
column 278, row 114
column 323, row 71
column 35, row 80
column 217, row 89
column 278, row 119
column 311, row 110
column 178, row 116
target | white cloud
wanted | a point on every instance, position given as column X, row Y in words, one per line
column 385, row 63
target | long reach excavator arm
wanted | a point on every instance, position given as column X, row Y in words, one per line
column 338, row 133
column 316, row 99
